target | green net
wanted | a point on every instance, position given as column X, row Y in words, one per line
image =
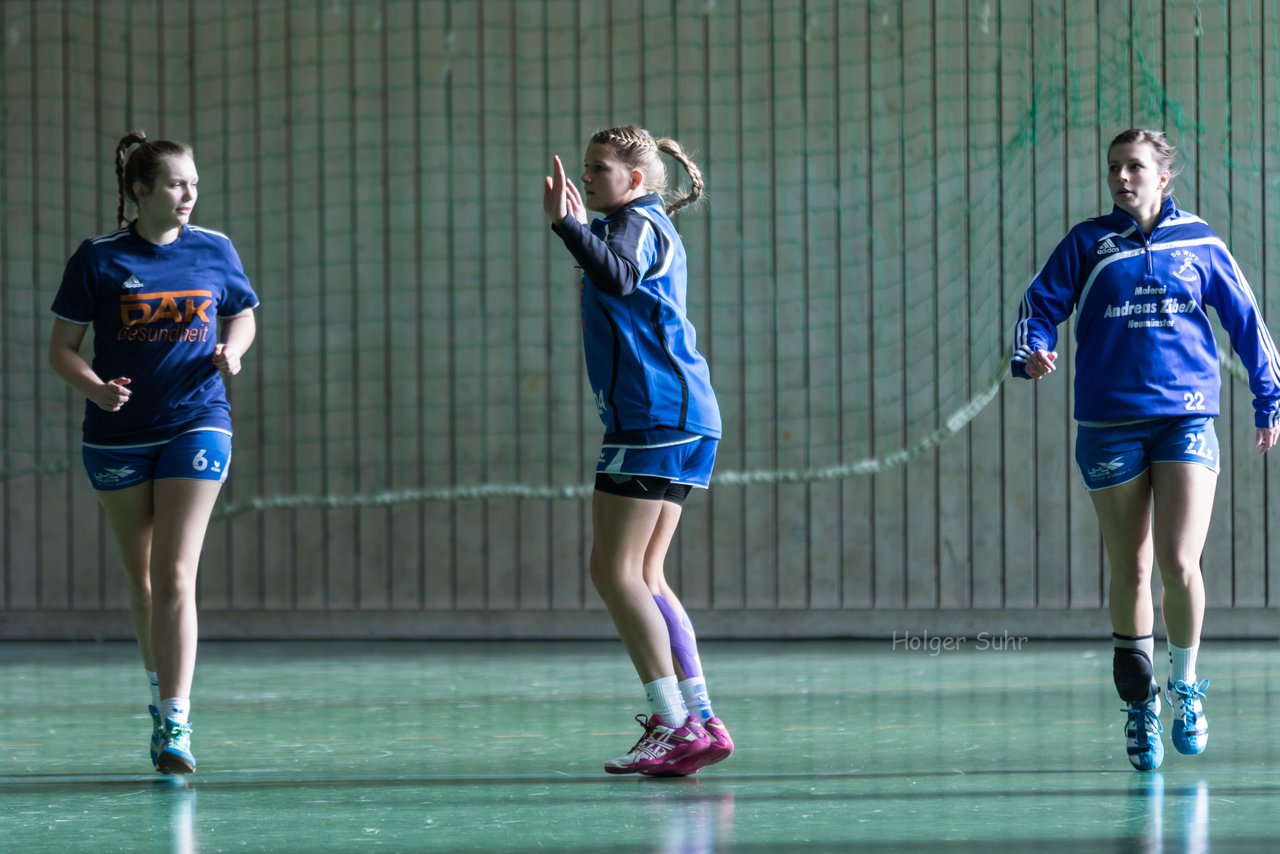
column 884, row 179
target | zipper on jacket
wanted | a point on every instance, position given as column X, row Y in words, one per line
column 1146, row 241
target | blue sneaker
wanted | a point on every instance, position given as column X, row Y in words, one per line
column 1190, row 732
column 175, row 749
column 1142, row 735
column 157, row 733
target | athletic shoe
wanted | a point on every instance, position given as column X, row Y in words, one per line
column 718, row 751
column 175, row 749
column 721, row 742
column 661, row 749
column 1190, row 731
column 157, row 733
column 1142, row 735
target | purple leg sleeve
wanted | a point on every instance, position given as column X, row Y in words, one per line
column 684, row 644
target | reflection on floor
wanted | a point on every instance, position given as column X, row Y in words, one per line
column 498, row 747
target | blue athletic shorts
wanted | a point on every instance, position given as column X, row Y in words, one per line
column 195, row 455
column 1110, row 456
column 675, row 455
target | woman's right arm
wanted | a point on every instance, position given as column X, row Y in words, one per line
column 65, row 358
column 612, row 271
column 1047, row 303
column 611, row 264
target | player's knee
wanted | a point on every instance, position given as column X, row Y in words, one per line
column 1134, row 676
column 599, row 572
column 1178, row 572
column 608, row 574
column 1131, row 576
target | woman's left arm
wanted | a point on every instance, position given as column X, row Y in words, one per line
column 235, row 336
column 1229, row 293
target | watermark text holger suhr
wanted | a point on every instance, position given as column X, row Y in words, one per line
column 938, row 644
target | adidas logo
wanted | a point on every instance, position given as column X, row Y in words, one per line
column 1107, row 247
column 132, row 282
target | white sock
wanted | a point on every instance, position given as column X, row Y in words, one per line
column 176, row 708
column 154, row 681
column 1182, row 663
column 665, row 700
column 696, row 698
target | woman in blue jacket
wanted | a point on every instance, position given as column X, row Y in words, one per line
column 1139, row 280
column 653, row 392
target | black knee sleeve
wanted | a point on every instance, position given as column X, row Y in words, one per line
column 1134, row 677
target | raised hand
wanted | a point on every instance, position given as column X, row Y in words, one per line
column 560, row 198
column 555, row 199
column 577, row 209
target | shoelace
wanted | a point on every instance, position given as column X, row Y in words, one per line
column 178, row 735
column 1189, row 693
column 641, row 746
column 657, row 741
column 1149, row 716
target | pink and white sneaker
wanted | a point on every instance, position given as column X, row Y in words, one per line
column 718, row 751
column 721, row 742
column 661, row 750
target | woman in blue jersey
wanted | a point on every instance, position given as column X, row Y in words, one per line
column 172, row 315
column 1139, row 280
column 653, row 391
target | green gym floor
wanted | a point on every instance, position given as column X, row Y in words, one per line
column 498, row 747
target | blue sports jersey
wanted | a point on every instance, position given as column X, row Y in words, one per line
column 642, row 359
column 1145, row 347
column 154, row 311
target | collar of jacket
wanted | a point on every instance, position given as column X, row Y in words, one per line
column 647, row 200
column 1120, row 220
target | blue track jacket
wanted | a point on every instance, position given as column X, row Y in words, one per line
column 1144, row 345
column 642, row 360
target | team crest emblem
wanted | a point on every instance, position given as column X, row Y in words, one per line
column 1185, row 265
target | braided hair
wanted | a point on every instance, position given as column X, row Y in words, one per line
column 638, row 149
column 142, row 166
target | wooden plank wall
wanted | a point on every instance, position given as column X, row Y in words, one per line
column 884, row 179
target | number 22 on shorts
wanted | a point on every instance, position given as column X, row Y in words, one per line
column 1196, row 446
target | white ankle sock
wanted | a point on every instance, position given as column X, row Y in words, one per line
column 176, row 708
column 696, row 698
column 665, row 700
column 1182, row 663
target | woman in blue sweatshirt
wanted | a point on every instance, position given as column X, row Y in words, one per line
column 653, row 392
column 1139, row 280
